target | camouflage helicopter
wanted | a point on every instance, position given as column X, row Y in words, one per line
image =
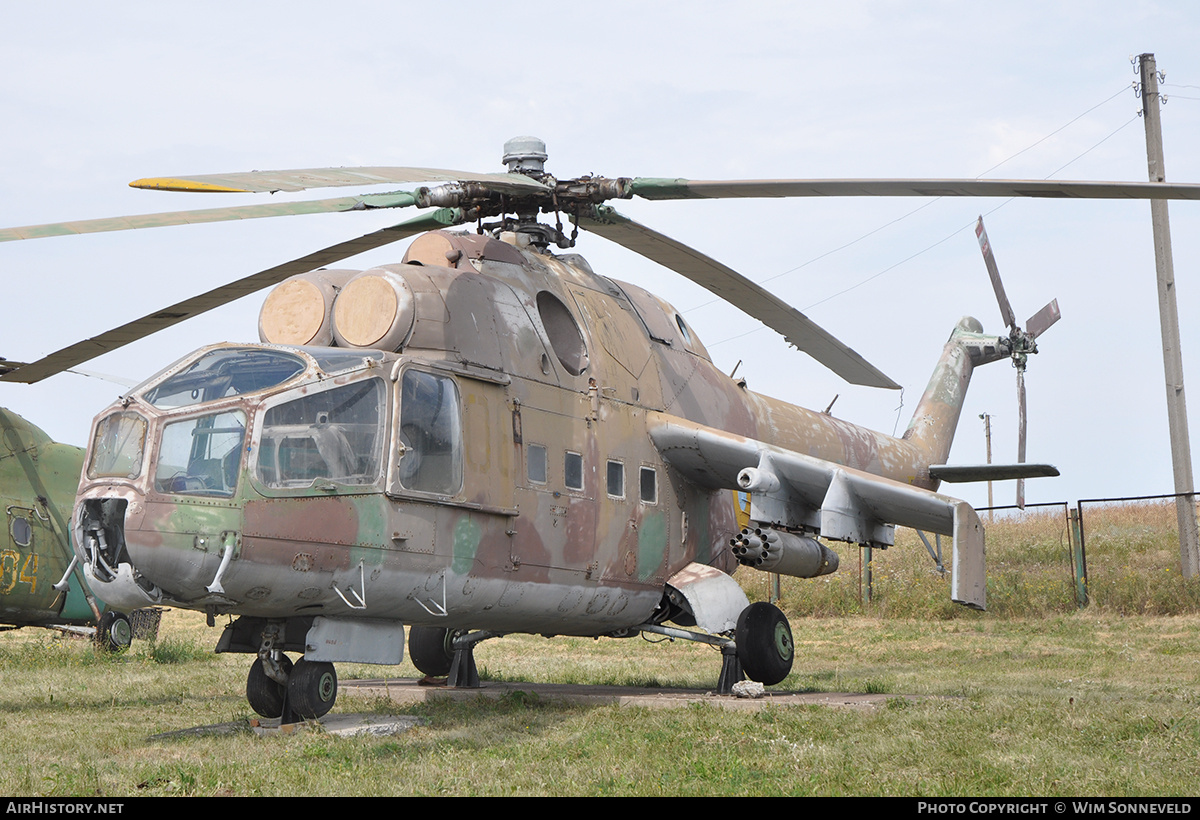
column 41, row 581
column 488, row 437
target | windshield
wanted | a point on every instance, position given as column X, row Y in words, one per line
column 225, row 372
column 201, row 456
column 117, row 446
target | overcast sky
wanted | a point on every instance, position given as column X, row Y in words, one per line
column 96, row 95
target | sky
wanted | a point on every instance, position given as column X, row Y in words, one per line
column 97, row 95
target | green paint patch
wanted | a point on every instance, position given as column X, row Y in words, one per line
column 652, row 545
column 467, row 533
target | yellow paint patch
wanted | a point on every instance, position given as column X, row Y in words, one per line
column 741, row 504
column 175, row 184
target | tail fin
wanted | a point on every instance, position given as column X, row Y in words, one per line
column 936, row 417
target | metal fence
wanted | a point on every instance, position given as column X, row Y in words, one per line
column 1134, row 541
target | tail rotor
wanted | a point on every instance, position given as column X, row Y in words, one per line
column 1022, row 342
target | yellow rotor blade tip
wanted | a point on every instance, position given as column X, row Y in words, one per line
column 173, row 184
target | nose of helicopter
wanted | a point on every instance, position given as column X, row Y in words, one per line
column 137, row 554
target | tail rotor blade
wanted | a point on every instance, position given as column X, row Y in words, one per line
column 1021, row 434
column 989, row 259
column 1041, row 321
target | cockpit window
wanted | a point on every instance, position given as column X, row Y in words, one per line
column 430, row 433
column 117, row 446
column 335, row 360
column 225, row 372
column 201, row 455
column 335, row 435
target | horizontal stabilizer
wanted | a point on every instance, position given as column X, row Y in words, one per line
column 959, row 473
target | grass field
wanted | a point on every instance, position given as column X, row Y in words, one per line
column 1031, row 698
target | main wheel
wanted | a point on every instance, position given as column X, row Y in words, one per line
column 312, row 688
column 429, row 648
column 764, row 643
column 114, row 632
column 265, row 694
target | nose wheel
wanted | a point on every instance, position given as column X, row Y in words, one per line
column 312, row 688
column 114, row 632
column 267, row 696
column 307, row 692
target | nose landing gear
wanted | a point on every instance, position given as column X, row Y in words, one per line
column 307, row 690
column 312, row 688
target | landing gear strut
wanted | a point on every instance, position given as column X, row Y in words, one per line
column 760, row 650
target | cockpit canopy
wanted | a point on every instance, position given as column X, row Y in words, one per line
column 225, row 372
column 275, row 415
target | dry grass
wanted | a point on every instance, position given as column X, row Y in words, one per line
column 1132, row 561
column 1032, row 698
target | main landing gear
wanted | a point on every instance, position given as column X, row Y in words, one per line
column 447, row 653
column 276, row 688
column 761, row 648
column 764, row 643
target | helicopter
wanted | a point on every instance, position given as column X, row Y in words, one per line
column 41, row 581
column 489, row 437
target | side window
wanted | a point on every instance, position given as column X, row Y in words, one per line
column 573, row 471
column 535, row 463
column 616, row 479
column 334, row 435
column 430, row 433
column 22, row 532
column 649, row 485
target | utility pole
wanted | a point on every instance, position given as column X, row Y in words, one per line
column 1168, row 315
column 987, row 432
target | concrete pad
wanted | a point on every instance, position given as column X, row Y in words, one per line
column 411, row 690
column 343, row 725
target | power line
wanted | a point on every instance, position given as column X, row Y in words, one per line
column 949, row 236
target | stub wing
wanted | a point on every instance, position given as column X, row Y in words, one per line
column 795, row 491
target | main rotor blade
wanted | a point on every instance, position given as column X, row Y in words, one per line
column 661, row 188
column 739, row 291
column 304, row 178
column 1040, row 322
column 398, row 199
column 989, row 259
column 132, row 331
